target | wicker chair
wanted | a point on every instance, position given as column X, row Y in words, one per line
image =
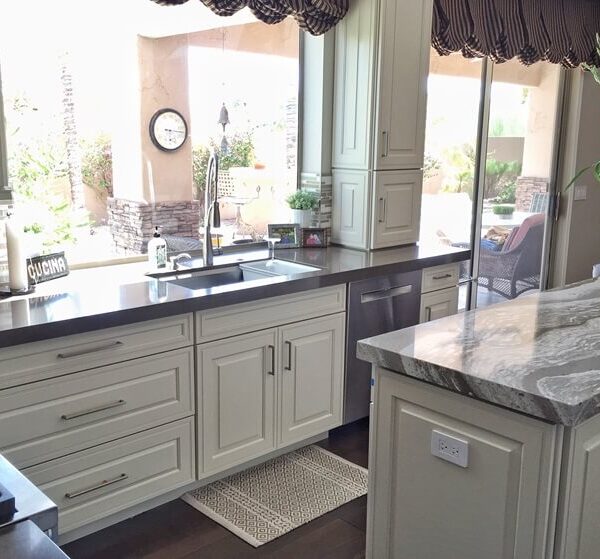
column 516, row 268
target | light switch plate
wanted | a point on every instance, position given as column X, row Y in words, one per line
column 450, row 448
column 580, row 192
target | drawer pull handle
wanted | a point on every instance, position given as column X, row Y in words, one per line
column 272, row 371
column 100, row 485
column 445, row 276
column 111, row 345
column 69, row 416
column 289, row 359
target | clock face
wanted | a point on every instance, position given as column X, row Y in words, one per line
column 168, row 130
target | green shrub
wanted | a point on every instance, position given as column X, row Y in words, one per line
column 96, row 164
column 303, row 200
column 503, row 209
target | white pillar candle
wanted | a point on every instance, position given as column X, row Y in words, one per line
column 17, row 255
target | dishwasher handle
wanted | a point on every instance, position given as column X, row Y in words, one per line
column 387, row 293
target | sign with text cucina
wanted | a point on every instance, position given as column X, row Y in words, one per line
column 47, row 267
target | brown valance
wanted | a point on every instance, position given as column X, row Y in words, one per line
column 558, row 31
column 314, row 16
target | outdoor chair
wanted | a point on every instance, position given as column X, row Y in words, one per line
column 516, row 268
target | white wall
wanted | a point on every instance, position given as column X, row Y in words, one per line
column 577, row 242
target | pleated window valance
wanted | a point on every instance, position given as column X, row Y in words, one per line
column 558, row 31
column 314, row 16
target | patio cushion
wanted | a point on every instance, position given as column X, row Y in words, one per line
column 518, row 233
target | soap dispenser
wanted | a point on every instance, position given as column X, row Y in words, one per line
column 157, row 251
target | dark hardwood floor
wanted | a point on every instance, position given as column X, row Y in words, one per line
column 177, row 531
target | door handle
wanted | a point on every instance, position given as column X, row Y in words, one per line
column 111, row 345
column 272, row 371
column 100, row 485
column 386, row 143
column 289, row 359
column 387, row 293
column 69, row 416
column 445, row 276
column 428, row 316
column 382, row 210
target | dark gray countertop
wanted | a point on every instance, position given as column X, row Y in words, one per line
column 539, row 355
column 107, row 301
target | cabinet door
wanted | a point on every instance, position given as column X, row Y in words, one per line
column 238, row 398
column 351, row 195
column 403, row 69
column 396, row 208
column 311, row 377
column 355, row 48
column 498, row 506
column 439, row 304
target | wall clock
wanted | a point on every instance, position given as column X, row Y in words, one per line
column 168, row 129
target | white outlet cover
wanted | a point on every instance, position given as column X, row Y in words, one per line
column 580, row 192
column 450, row 448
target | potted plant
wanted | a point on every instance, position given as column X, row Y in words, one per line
column 503, row 211
column 302, row 204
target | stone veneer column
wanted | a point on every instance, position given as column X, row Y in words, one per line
column 526, row 188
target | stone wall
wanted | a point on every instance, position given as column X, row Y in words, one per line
column 132, row 223
column 526, row 188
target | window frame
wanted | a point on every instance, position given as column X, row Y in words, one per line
column 5, row 193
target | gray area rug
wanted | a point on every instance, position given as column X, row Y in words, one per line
column 266, row 501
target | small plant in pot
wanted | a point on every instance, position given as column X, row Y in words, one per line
column 503, row 211
column 302, row 204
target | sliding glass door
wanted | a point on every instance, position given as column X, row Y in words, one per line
column 490, row 158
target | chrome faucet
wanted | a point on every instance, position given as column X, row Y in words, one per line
column 211, row 208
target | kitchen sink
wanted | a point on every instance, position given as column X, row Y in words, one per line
column 214, row 277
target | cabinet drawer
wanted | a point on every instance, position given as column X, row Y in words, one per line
column 439, row 304
column 48, row 419
column 224, row 322
column 92, row 484
column 440, row 277
column 40, row 360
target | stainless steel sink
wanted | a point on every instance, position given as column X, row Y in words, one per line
column 238, row 273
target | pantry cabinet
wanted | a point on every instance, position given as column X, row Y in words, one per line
column 382, row 65
column 403, row 68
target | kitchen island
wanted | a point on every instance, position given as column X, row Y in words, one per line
column 485, row 433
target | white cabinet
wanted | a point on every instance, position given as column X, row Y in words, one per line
column 396, row 208
column 355, row 52
column 499, row 506
column 237, row 392
column 274, row 378
column 290, row 376
column 311, row 366
column 439, row 304
column 404, row 45
column 351, row 204
column 439, row 292
column 382, row 65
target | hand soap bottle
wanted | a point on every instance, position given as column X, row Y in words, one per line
column 157, row 251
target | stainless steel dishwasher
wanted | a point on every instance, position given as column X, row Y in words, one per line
column 375, row 306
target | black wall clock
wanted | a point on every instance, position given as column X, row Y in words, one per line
column 168, row 129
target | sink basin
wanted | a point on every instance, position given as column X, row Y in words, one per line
column 277, row 268
column 205, row 279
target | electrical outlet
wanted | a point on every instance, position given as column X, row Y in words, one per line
column 580, row 192
column 450, row 448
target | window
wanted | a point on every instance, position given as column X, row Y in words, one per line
column 79, row 95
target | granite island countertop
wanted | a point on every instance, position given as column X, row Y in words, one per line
column 539, row 355
column 110, row 296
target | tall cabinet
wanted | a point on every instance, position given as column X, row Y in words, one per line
column 382, row 64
